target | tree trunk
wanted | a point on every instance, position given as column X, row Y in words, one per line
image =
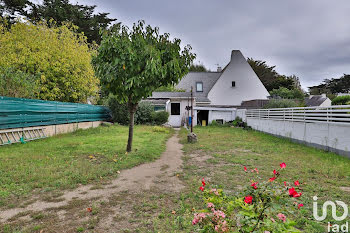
column 132, row 110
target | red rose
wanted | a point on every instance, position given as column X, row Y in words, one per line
column 274, row 172
column 248, row 199
column 283, row 165
column 201, row 188
column 272, row 179
column 296, row 183
column 254, row 185
column 293, row 193
column 245, row 168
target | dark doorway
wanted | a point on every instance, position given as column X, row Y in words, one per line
column 202, row 115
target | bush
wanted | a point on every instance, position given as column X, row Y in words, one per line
column 143, row 113
column 18, row 84
column 120, row 113
column 341, row 100
column 282, row 103
column 160, row 117
column 286, row 93
column 264, row 206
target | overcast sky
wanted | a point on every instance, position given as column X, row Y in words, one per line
column 308, row 38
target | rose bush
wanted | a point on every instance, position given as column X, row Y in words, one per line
column 260, row 207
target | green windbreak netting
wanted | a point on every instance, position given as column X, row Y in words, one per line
column 17, row 113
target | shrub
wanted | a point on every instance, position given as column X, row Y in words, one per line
column 214, row 123
column 341, row 100
column 58, row 54
column 143, row 113
column 15, row 83
column 160, row 117
column 286, row 93
column 120, row 113
column 282, row 103
column 261, row 207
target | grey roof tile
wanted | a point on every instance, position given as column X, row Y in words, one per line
column 315, row 100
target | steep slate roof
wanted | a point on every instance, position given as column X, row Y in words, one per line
column 207, row 78
column 315, row 100
column 165, row 94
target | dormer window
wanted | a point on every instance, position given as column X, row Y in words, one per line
column 233, row 83
column 199, row 86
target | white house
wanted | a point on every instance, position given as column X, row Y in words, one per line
column 215, row 94
column 318, row 100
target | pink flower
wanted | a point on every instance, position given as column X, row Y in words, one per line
column 296, row 183
column 300, row 205
column 283, row 165
column 282, row 217
column 198, row 217
column 245, row 168
column 274, row 172
column 255, row 169
column 210, row 205
column 272, row 179
column 273, row 220
column 285, row 183
column 203, row 182
column 201, row 188
column 248, row 199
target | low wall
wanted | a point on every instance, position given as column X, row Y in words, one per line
column 330, row 137
column 52, row 130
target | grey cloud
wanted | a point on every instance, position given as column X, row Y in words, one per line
column 308, row 38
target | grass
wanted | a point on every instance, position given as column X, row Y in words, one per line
column 82, row 157
column 220, row 154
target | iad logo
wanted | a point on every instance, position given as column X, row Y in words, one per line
column 334, row 227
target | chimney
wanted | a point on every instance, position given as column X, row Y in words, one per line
column 236, row 55
column 219, row 69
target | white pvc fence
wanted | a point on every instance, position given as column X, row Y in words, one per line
column 323, row 127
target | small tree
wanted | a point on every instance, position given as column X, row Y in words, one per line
column 131, row 64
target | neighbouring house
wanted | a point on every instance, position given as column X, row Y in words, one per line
column 318, row 100
column 216, row 95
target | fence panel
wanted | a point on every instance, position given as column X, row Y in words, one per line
column 18, row 113
column 327, row 128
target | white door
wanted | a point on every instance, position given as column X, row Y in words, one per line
column 175, row 114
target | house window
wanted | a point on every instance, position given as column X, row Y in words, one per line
column 199, row 86
column 175, row 108
column 233, row 83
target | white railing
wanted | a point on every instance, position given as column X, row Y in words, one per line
column 339, row 114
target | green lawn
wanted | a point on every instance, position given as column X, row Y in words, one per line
column 64, row 161
column 221, row 153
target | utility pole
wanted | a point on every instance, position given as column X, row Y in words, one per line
column 191, row 109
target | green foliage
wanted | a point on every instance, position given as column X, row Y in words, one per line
column 262, row 207
column 15, row 83
column 160, row 129
column 143, row 114
column 281, row 103
column 270, row 78
column 61, row 57
column 341, row 100
column 169, row 88
column 61, row 11
column 133, row 63
column 332, row 86
column 214, row 123
column 160, row 117
column 286, row 93
column 198, row 68
column 120, row 113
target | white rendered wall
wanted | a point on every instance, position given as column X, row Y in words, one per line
column 248, row 85
column 330, row 137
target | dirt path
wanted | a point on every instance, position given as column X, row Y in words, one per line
column 160, row 174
